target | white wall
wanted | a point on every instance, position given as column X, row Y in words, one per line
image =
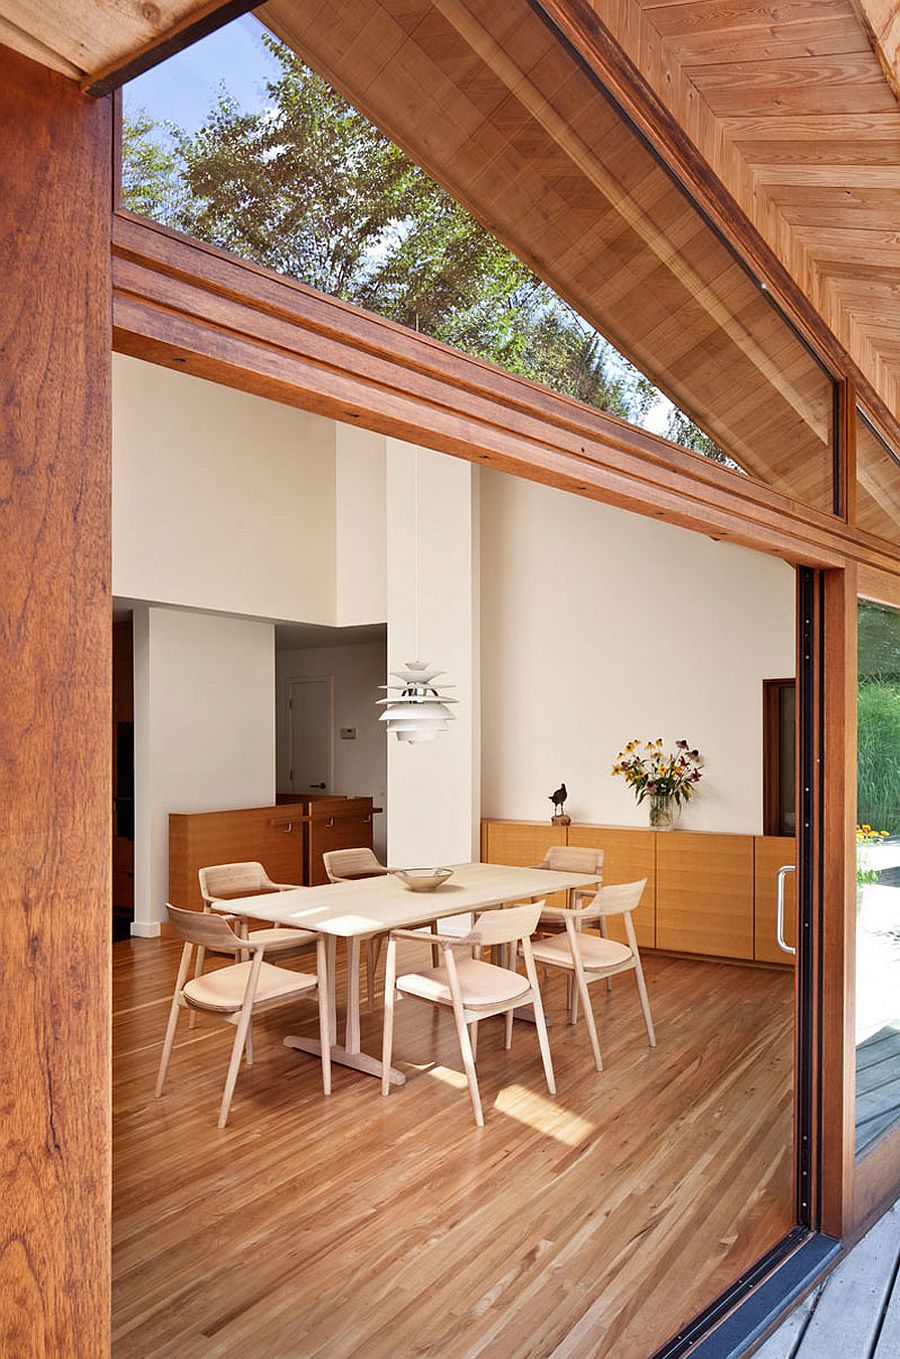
column 221, row 500
column 360, row 766
column 204, row 694
column 600, row 626
column 434, row 787
column 361, row 546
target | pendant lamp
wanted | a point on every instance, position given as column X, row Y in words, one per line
column 416, row 709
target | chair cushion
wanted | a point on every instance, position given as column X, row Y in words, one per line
column 279, row 939
column 481, row 984
column 596, row 953
column 224, row 990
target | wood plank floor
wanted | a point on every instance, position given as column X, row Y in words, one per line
column 592, row 1223
column 855, row 1313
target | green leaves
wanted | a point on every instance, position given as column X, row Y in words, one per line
column 309, row 188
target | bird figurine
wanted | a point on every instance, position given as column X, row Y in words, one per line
column 559, row 802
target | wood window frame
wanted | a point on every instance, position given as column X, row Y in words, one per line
column 772, row 753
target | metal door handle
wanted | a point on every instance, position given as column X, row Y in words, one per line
column 317, row 785
column 779, row 914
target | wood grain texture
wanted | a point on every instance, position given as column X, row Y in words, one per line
column 523, row 844
column 793, row 106
column 198, row 310
column 55, row 715
column 593, row 1222
column 771, row 852
column 629, row 855
column 704, row 894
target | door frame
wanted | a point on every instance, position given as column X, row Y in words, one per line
column 311, row 679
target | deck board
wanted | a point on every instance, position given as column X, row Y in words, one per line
column 855, row 1314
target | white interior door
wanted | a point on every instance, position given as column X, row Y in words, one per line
column 310, row 728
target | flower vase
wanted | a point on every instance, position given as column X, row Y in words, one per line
column 663, row 812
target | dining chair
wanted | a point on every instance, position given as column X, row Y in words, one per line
column 347, row 865
column 239, row 991
column 471, row 988
column 590, row 957
column 572, row 859
column 223, row 882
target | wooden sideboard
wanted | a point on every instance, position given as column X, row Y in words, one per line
column 288, row 840
column 707, row 894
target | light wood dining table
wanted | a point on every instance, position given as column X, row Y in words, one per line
column 366, row 907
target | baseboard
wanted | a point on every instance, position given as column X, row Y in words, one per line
column 145, row 929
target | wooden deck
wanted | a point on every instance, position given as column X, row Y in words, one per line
column 592, row 1223
column 855, row 1313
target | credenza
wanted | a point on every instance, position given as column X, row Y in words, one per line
column 708, row 894
column 288, row 840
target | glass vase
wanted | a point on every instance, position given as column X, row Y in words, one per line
column 663, row 812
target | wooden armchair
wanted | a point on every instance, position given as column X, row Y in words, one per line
column 237, row 992
column 590, row 958
column 471, row 988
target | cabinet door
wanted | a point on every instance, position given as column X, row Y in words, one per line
column 704, row 893
column 522, row 844
column 771, row 852
column 628, row 856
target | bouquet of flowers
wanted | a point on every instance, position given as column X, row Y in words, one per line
column 654, row 772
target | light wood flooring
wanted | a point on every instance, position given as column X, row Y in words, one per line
column 589, row 1224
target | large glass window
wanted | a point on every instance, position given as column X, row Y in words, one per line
column 629, row 300
column 878, row 483
column 878, row 876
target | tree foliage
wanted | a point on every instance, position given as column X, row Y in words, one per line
column 308, row 187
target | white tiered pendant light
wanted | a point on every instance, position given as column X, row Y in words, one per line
column 420, row 710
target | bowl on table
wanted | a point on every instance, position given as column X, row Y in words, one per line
column 423, row 879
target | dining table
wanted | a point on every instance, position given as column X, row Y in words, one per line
column 367, row 907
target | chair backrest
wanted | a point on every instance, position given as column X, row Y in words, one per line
column 206, row 929
column 230, row 879
column 615, row 900
column 343, row 865
column 573, row 859
column 506, row 924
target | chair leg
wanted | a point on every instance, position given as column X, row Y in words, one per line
column 462, row 1034
column 324, row 995
column 387, row 1041
column 468, row 1058
column 240, row 1038
column 602, row 924
column 645, row 1001
column 473, row 1038
column 589, row 1020
column 167, row 1045
column 435, row 948
column 172, row 1025
column 572, row 998
column 248, row 1046
column 507, row 1037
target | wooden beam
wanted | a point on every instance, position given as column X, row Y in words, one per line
column 55, row 624
column 195, row 308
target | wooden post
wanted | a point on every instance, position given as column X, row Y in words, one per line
column 55, row 776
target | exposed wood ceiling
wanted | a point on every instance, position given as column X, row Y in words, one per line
column 492, row 104
column 788, row 102
column 83, row 38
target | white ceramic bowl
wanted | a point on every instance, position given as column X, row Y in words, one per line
column 424, row 879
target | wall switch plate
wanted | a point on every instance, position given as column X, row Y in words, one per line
column 348, row 733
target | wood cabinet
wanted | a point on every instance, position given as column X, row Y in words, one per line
column 707, row 894
column 704, row 894
column 288, row 840
column 771, row 853
column 629, row 855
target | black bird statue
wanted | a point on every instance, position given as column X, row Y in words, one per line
column 559, row 800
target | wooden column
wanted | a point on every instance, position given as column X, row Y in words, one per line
column 55, row 717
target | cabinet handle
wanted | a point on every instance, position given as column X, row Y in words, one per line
column 779, row 914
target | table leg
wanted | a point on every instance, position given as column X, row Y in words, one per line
column 331, row 963
column 350, row 1054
